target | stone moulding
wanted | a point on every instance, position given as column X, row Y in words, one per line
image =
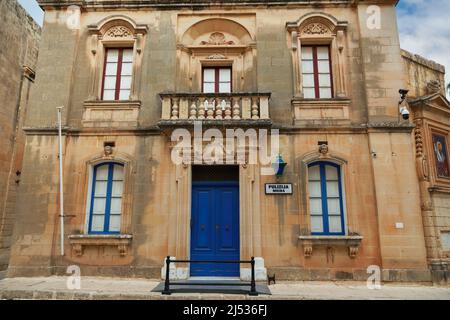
column 351, row 242
column 78, row 242
column 170, row 4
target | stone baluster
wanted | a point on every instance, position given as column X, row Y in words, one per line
column 175, row 108
column 210, row 111
column 219, row 109
column 236, row 109
column 202, row 108
column 193, row 110
column 227, row 110
column 255, row 108
column 192, row 107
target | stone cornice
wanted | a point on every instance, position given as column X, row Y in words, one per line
column 423, row 61
column 174, row 4
column 67, row 131
column 284, row 129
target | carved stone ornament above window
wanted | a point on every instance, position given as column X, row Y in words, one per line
column 217, row 39
column 119, row 32
column 216, row 56
column 316, row 28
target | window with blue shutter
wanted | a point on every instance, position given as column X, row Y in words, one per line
column 106, row 199
column 325, row 199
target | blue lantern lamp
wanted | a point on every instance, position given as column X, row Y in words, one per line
column 279, row 165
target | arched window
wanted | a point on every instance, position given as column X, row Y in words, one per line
column 106, row 198
column 326, row 199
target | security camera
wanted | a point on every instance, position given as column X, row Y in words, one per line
column 405, row 113
column 403, row 93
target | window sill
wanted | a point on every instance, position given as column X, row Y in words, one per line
column 79, row 241
column 107, row 114
column 320, row 110
column 353, row 243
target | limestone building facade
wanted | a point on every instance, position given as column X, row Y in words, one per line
column 322, row 79
column 17, row 63
column 431, row 117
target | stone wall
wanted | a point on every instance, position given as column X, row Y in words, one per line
column 420, row 72
column 430, row 112
column 19, row 36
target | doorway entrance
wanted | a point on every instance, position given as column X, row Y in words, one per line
column 215, row 220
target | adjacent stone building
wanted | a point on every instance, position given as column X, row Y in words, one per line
column 19, row 36
column 138, row 78
column 431, row 115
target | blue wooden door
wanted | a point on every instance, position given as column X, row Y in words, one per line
column 215, row 228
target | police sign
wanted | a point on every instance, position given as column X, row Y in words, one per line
column 278, row 188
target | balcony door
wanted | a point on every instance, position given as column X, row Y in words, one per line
column 217, row 80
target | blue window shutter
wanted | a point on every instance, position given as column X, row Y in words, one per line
column 107, row 210
column 324, row 194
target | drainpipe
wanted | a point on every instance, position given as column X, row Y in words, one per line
column 61, row 181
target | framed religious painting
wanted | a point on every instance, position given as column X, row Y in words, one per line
column 441, row 155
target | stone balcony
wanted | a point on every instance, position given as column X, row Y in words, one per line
column 244, row 109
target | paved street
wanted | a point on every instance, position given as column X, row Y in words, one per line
column 140, row 289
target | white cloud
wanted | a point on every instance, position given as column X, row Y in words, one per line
column 424, row 27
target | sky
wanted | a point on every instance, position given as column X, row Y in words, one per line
column 423, row 25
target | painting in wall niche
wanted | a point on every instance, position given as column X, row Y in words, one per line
column 441, row 155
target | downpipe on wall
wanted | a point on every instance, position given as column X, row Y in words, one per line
column 61, row 181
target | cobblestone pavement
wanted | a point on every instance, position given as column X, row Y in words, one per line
column 138, row 289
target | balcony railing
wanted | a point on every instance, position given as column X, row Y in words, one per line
column 215, row 106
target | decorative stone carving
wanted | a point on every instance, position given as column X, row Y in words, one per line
column 316, row 28
column 119, row 32
column 418, row 138
column 108, row 151
column 175, row 109
column 122, row 249
column 421, row 158
column 425, row 168
column 79, row 241
column 427, row 205
column 433, row 86
column 77, row 250
column 323, row 149
column 353, row 251
column 307, row 249
column 216, row 56
column 217, row 39
column 352, row 242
